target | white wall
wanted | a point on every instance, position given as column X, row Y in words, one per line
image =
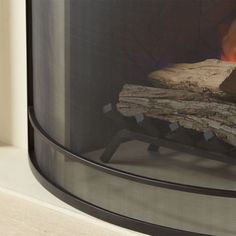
column 13, row 99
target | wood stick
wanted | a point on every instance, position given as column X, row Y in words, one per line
column 191, row 109
column 205, row 76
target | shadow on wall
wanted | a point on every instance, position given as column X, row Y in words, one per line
column 13, row 102
column 5, row 74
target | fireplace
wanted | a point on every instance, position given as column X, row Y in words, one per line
column 132, row 110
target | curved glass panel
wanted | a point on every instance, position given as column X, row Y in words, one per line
column 117, row 82
column 158, row 206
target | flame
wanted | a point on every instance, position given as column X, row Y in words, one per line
column 229, row 44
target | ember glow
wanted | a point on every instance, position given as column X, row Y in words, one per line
column 229, row 44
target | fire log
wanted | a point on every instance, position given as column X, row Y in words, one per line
column 212, row 75
column 191, row 110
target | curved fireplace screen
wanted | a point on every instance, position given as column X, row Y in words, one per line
column 132, row 110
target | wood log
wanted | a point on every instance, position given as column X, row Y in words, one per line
column 212, row 75
column 190, row 109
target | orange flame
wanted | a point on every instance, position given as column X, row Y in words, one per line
column 229, row 44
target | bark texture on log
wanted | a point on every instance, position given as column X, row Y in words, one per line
column 205, row 76
column 192, row 110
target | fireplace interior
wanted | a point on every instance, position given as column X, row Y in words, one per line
column 132, row 110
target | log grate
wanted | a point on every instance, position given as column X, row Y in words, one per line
column 158, row 133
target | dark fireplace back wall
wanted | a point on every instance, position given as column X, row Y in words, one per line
column 93, row 47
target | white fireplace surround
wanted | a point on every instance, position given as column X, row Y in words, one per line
column 13, row 95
